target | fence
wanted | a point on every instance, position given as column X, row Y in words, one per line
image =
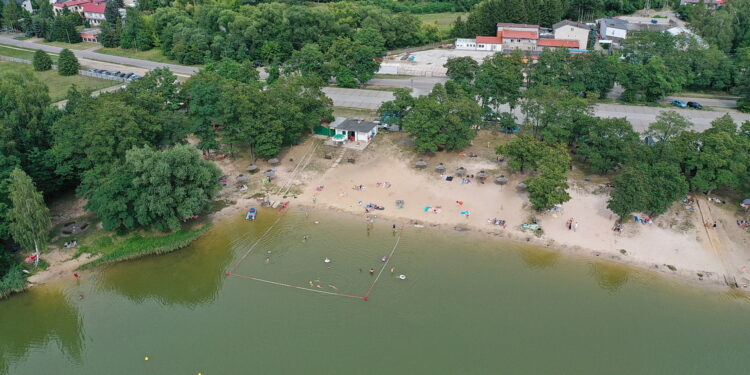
column 85, row 73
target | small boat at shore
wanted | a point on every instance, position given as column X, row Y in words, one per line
column 251, row 213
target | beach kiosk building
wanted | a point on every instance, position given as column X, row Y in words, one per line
column 355, row 130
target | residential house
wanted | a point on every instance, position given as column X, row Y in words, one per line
column 73, row 6
column 517, row 36
column 94, row 13
column 353, row 130
column 613, row 30
column 709, row 3
column 569, row 30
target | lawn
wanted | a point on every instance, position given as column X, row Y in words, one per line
column 153, row 54
column 21, row 53
column 82, row 45
column 58, row 85
column 443, row 20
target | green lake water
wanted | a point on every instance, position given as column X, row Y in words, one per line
column 470, row 305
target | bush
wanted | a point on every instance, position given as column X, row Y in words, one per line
column 42, row 61
column 67, row 64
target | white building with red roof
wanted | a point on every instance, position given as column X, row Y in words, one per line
column 522, row 37
column 94, row 13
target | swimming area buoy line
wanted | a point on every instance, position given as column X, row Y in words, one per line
column 385, row 260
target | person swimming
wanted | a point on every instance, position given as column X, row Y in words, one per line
column 393, row 269
column 384, row 259
column 333, row 287
column 304, row 238
column 402, row 277
column 327, row 260
column 372, row 271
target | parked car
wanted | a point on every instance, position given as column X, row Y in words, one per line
column 695, row 105
column 129, row 75
column 258, row 64
column 679, row 103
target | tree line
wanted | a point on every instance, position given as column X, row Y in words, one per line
column 558, row 127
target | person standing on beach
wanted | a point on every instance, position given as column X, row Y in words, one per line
column 575, row 227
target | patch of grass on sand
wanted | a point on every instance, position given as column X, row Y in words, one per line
column 14, row 281
column 116, row 248
column 78, row 46
column 354, row 112
column 443, row 20
column 58, row 85
column 153, row 54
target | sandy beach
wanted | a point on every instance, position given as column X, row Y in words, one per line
column 675, row 244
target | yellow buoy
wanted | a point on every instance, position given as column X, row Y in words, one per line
column 146, row 359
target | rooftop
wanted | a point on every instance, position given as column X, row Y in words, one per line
column 489, row 39
column 514, row 34
column 569, row 23
column 557, row 43
column 517, row 25
column 93, row 8
column 357, row 125
column 71, row 3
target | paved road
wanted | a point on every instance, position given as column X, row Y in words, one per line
column 177, row 69
column 639, row 116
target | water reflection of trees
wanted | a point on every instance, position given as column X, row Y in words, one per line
column 189, row 277
column 610, row 276
column 33, row 320
column 539, row 258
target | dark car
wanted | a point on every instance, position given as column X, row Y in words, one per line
column 695, row 105
column 258, row 64
column 129, row 75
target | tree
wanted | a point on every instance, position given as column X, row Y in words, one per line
column 743, row 79
column 67, row 64
column 135, row 33
column 42, row 61
column 112, row 12
column 554, row 113
column 309, row 60
column 523, row 152
column 668, row 124
column 462, row 69
column 645, row 187
column 243, row 72
column 64, row 28
column 441, row 121
column 651, row 81
column 28, row 215
column 203, row 92
column 12, row 13
column 394, row 111
column 607, row 144
column 155, row 188
column 352, row 59
column 499, row 80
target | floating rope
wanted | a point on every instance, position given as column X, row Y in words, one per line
column 385, row 264
column 237, row 263
column 298, row 287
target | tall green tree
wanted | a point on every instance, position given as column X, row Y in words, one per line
column 607, row 144
column 462, row 69
column 441, row 121
column 394, row 111
column 499, row 80
column 67, row 64
column 351, row 59
column 668, row 124
column 42, row 61
column 554, row 113
column 155, row 188
column 28, row 215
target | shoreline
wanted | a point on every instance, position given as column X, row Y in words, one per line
column 683, row 276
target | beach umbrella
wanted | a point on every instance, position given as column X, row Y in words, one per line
column 746, row 202
column 421, row 164
column 241, row 178
column 521, row 186
column 461, row 171
column 501, row 180
column 273, row 161
column 269, row 173
column 440, row 168
column 482, row 174
column 252, row 168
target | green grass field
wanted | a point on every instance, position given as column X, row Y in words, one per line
column 153, row 54
column 58, row 85
column 443, row 20
column 21, row 53
column 79, row 46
